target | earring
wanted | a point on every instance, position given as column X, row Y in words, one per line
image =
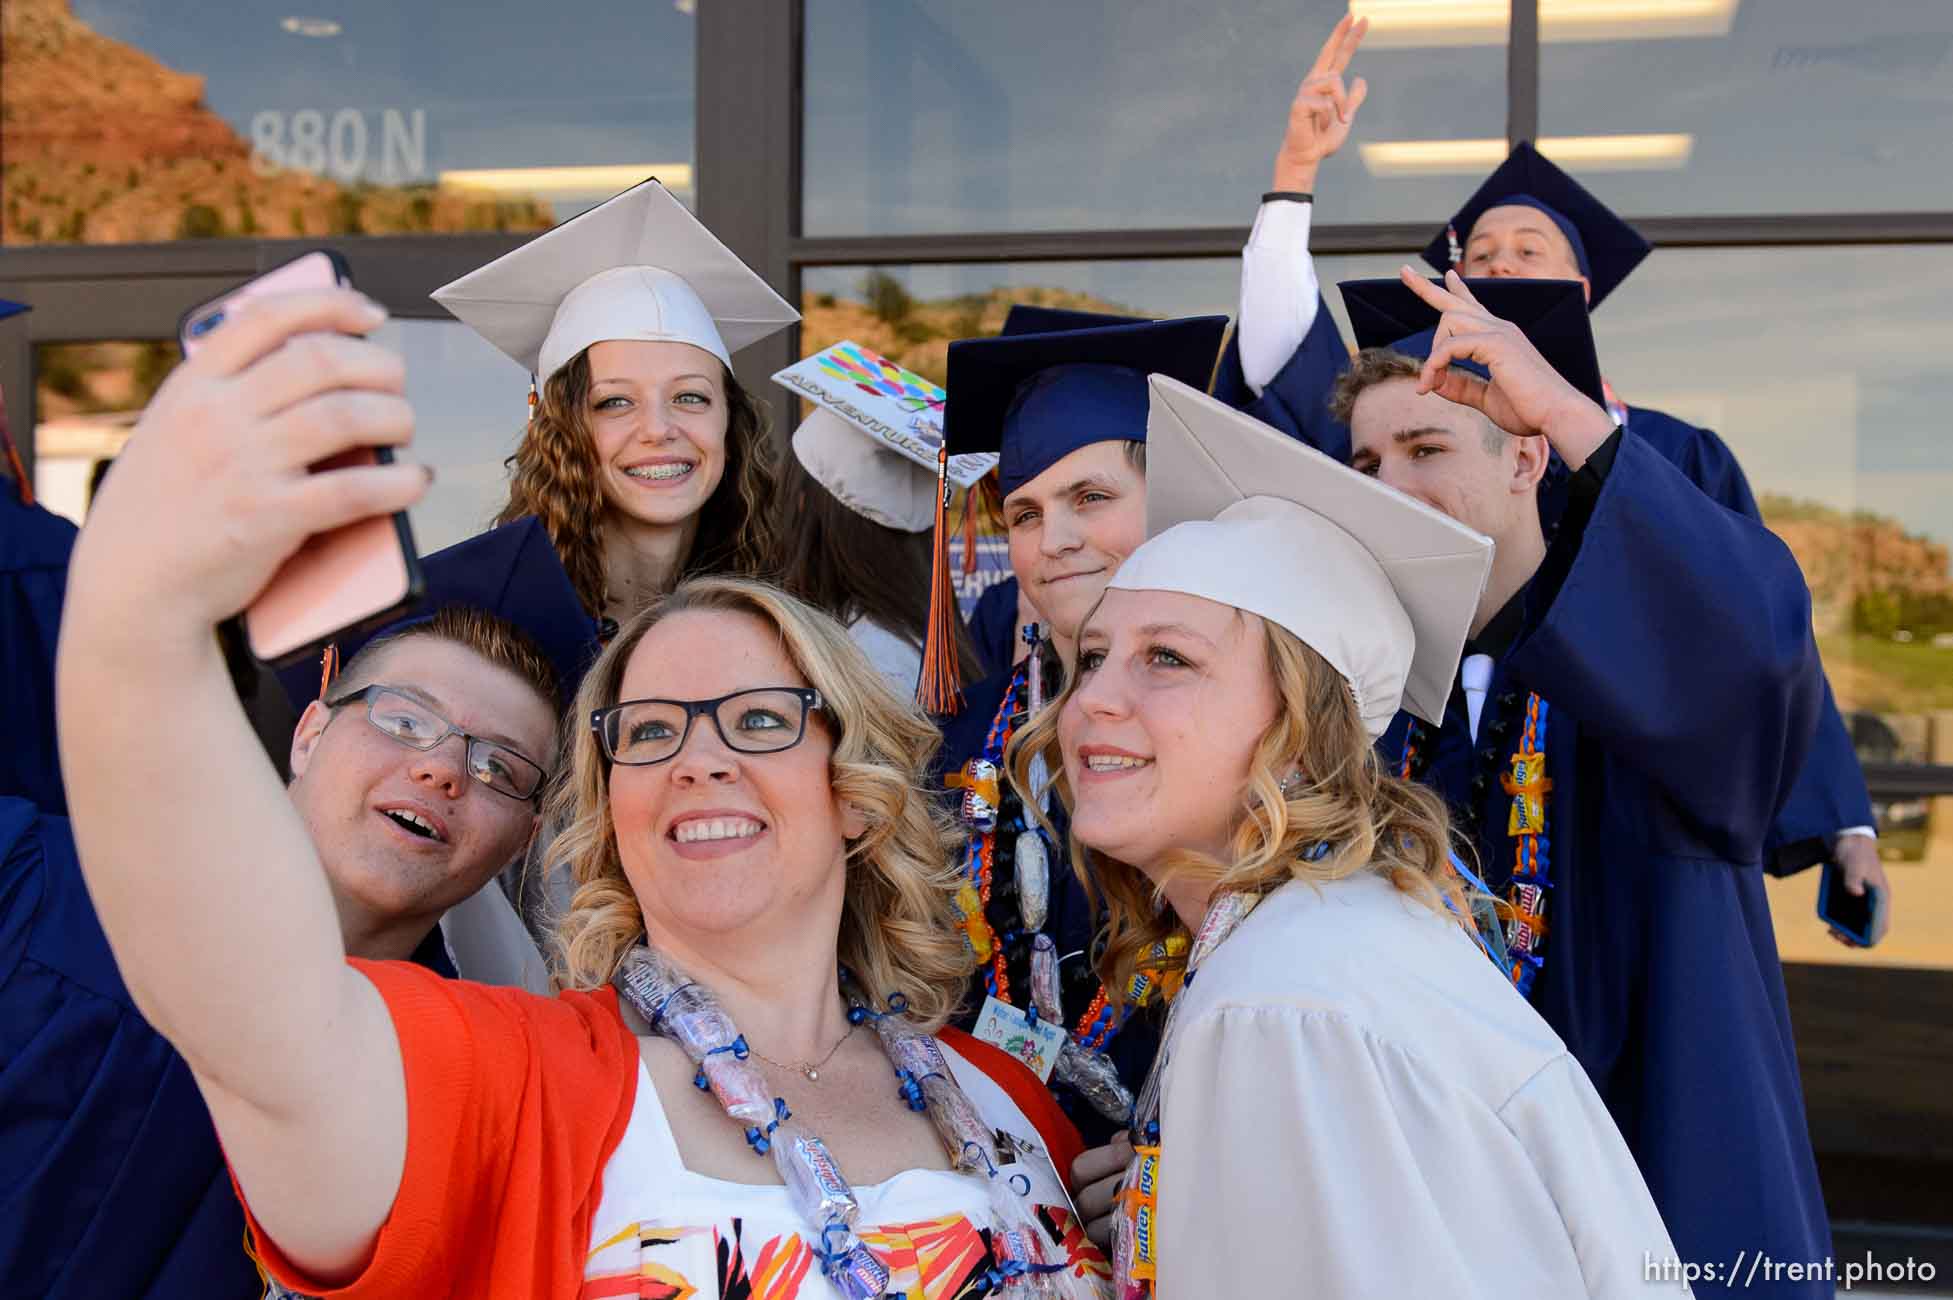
column 1291, row 783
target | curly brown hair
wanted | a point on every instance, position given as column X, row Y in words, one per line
column 553, row 475
column 1372, row 820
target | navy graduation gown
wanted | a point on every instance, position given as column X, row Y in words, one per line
column 1070, row 922
column 1682, row 696
column 1830, row 791
column 116, row 1185
column 1296, row 400
column 34, row 547
column 993, row 626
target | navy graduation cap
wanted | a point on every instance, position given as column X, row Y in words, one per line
column 1038, row 397
column 1023, row 318
column 511, row 571
column 1606, row 247
column 1551, row 313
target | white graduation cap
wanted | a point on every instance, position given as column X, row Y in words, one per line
column 874, row 435
column 1381, row 586
column 636, row 266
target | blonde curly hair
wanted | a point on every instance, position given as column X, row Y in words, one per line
column 553, row 475
column 899, row 925
column 1370, row 819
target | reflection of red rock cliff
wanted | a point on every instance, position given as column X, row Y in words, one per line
column 105, row 145
column 71, row 94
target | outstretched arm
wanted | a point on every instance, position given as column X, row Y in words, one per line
column 205, row 879
column 1281, row 300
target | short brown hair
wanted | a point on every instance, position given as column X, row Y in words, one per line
column 1373, row 366
column 489, row 636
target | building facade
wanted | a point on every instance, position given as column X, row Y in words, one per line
column 905, row 168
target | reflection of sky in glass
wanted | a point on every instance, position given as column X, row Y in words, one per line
column 1824, row 369
column 1024, row 114
column 518, row 86
column 1804, row 106
column 469, row 404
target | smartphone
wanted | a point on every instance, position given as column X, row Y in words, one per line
column 338, row 583
column 1855, row 916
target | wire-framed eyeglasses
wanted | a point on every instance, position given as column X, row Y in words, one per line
column 761, row 720
column 403, row 718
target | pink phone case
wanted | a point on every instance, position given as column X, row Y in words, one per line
column 351, row 578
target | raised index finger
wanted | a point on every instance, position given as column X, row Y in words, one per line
column 1456, row 283
column 1351, row 39
column 264, row 326
column 1332, row 50
column 1432, row 295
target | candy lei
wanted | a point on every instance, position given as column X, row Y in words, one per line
column 687, row 1013
column 1135, row 1225
column 1081, row 1062
column 1526, row 782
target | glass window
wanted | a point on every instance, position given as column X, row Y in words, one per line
column 1825, row 371
column 1689, row 107
column 130, row 122
column 469, row 406
column 934, row 115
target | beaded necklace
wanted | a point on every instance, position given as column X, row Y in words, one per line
column 1135, row 1223
column 1081, row 1060
column 1526, row 782
column 686, row 1012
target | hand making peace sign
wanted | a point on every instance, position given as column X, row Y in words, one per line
column 1525, row 395
column 1324, row 108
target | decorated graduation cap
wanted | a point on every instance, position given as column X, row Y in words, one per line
column 1551, row 313
column 1606, row 247
column 511, row 571
column 874, row 435
column 638, row 266
column 1381, row 586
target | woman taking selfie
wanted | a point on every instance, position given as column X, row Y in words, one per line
column 1350, row 1099
column 644, row 457
column 760, row 943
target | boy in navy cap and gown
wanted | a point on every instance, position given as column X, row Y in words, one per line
column 121, row 1187
column 1616, row 783
column 1066, row 410
column 1529, row 219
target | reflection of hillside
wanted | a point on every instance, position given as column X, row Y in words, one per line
column 103, row 144
column 918, row 333
column 1850, row 558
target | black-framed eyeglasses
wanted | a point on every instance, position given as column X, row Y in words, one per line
column 400, row 717
column 761, row 720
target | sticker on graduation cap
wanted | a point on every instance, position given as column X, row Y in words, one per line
column 892, row 404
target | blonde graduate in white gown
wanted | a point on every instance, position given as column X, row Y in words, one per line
column 1351, row 1100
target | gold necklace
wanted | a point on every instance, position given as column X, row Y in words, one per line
column 812, row 1069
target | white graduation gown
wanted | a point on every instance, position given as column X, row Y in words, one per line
column 1357, row 1103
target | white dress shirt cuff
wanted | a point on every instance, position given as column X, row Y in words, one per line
column 1279, row 291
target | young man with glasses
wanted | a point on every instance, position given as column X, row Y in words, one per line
column 418, row 772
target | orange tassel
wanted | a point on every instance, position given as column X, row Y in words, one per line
column 969, row 533
column 328, row 668
column 940, row 689
column 14, row 465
